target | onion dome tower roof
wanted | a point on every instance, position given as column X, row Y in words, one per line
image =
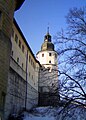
column 47, row 45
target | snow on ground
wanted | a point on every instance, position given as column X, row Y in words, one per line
column 39, row 118
column 40, row 113
column 51, row 113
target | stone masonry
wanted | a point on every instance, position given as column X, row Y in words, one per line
column 7, row 8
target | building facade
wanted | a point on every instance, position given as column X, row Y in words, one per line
column 22, row 92
column 7, row 9
column 48, row 75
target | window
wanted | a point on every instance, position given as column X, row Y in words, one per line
column 49, row 61
column 16, row 38
column 19, row 43
column 55, row 55
column 0, row 15
column 18, row 59
column 29, row 74
column 12, row 53
column 48, row 68
column 23, row 48
column 32, row 77
column 22, row 65
column 33, row 65
column 49, row 54
column 3, row 99
column 43, row 55
column 29, row 58
column 12, row 33
column 31, row 62
column 40, row 89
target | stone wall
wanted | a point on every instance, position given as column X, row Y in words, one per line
column 16, row 92
column 7, row 8
column 5, row 48
column 48, row 87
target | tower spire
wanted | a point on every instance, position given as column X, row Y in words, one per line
column 48, row 30
column 47, row 36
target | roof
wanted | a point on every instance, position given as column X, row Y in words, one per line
column 49, row 46
column 18, row 4
column 15, row 23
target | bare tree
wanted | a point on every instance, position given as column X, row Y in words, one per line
column 71, row 48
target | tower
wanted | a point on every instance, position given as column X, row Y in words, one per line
column 48, row 76
column 7, row 8
column 47, row 56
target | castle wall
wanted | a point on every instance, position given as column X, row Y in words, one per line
column 22, row 92
column 16, row 94
column 48, row 87
column 6, row 17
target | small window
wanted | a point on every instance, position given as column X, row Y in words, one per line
column 55, row 55
column 0, row 16
column 49, row 54
column 22, row 65
column 12, row 53
column 42, row 55
column 16, row 38
column 19, row 43
column 12, row 33
column 31, row 62
column 33, row 65
column 23, row 48
column 29, row 58
column 29, row 74
column 3, row 99
column 40, row 89
column 32, row 77
column 48, row 68
column 49, row 61
column 18, row 59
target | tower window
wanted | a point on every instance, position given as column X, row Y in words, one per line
column 49, row 54
column 49, row 61
column 55, row 55
column 43, row 55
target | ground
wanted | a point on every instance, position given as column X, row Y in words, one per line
column 52, row 113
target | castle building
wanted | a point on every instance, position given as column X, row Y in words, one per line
column 48, row 75
column 24, row 80
column 22, row 91
column 7, row 8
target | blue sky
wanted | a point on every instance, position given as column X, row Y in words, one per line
column 35, row 16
